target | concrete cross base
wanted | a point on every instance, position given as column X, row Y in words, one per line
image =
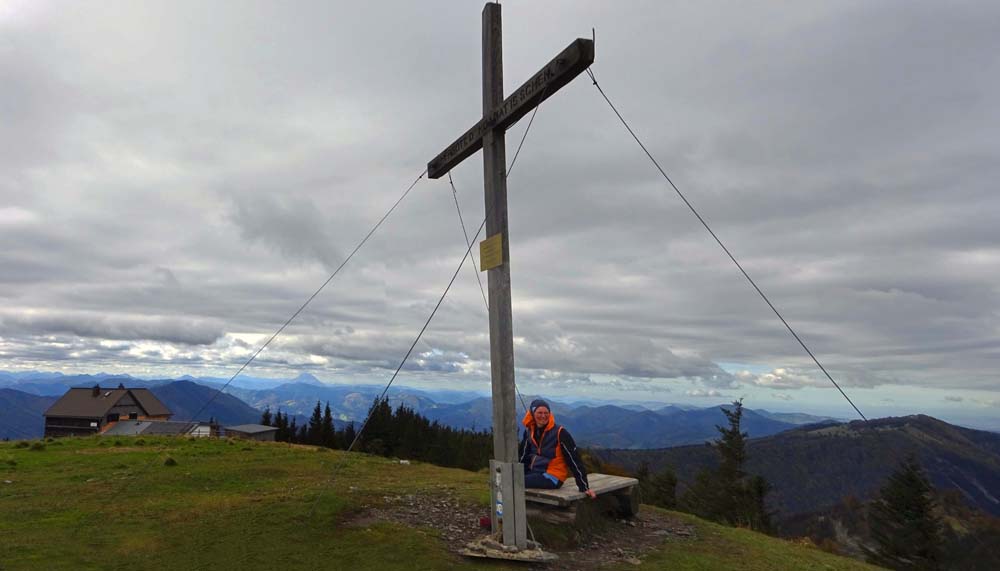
column 490, row 548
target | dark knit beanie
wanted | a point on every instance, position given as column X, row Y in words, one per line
column 537, row 403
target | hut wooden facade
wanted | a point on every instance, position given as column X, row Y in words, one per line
column 85, row 411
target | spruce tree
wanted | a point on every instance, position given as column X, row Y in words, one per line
column 265, row 417
column 906, row 531
column 281, row 422
column 316, row 426
column 663, row 489
column 727, row 494
column 327, row 430
column 645, row 485
column 349, row 435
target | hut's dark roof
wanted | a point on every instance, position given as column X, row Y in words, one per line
column 166, row 427
column 251, row 428
column 127, row 428
column 149, row 428
column 81, row 402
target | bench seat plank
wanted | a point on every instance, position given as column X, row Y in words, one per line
column 566, row 495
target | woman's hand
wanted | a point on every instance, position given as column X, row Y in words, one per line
column 590, row 494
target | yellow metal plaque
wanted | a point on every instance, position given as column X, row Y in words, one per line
column 491, row 252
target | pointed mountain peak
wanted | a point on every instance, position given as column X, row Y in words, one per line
column 308, row 379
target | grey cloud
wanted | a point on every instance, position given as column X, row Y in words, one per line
column 113, row 327
column 293, row 226
column 845, row 153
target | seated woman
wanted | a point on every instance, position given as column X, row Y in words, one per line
column 549, row 453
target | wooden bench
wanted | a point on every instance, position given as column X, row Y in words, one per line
column 615, row 494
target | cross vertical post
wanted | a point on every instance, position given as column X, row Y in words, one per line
column 495, row 179
column 499, row 113
column 501, row 320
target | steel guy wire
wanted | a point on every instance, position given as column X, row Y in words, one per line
column 313, row 296
column 893, row 450
column 468, row 250
column 461, row 219
column 287, row 322
column 722, row 245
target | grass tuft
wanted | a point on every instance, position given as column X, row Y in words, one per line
column 169, row 461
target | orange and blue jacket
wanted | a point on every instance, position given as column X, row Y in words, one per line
column 551, row 450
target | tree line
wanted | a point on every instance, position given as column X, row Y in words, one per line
column 725, row 494
column 904, row 527
column 399, row 433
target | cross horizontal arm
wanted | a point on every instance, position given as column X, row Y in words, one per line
column 561, row 70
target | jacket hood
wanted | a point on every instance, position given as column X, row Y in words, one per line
column 529, row 421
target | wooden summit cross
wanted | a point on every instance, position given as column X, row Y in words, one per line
column 506, row 475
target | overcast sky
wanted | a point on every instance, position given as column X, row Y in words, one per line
column 177, row 177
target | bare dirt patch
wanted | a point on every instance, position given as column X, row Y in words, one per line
column 457, row 523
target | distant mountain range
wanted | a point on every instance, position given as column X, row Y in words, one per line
column 814, row 467
column 187, row 399
column 603, row 426
column 21, row 412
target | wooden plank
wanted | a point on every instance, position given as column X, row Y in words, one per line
column 565, row 496
column 561, row 70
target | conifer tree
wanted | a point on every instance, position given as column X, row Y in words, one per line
column 327, row 430
column 642, row 473
column 293, row 430
column 726, row 494
column 281, row 422
column 663, row 489
column 265, row 417
column 907, row 532
column 315, row 434
column 349, row 435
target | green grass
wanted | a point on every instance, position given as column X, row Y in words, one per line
column 87, row 503
column 721, row 547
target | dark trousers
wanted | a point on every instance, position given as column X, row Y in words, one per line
column 538, row 480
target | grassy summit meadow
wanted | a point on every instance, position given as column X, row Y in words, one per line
column 173, row 503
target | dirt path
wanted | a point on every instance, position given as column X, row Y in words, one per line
column 620, row 541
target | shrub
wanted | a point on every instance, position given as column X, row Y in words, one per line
column 169, row 461
column 140, row 442
column 37, row 446
column 118, row 442
column 22, row 444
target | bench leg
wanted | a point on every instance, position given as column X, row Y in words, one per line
column 628, row 502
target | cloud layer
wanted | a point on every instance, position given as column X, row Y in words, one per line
column 180, row 177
